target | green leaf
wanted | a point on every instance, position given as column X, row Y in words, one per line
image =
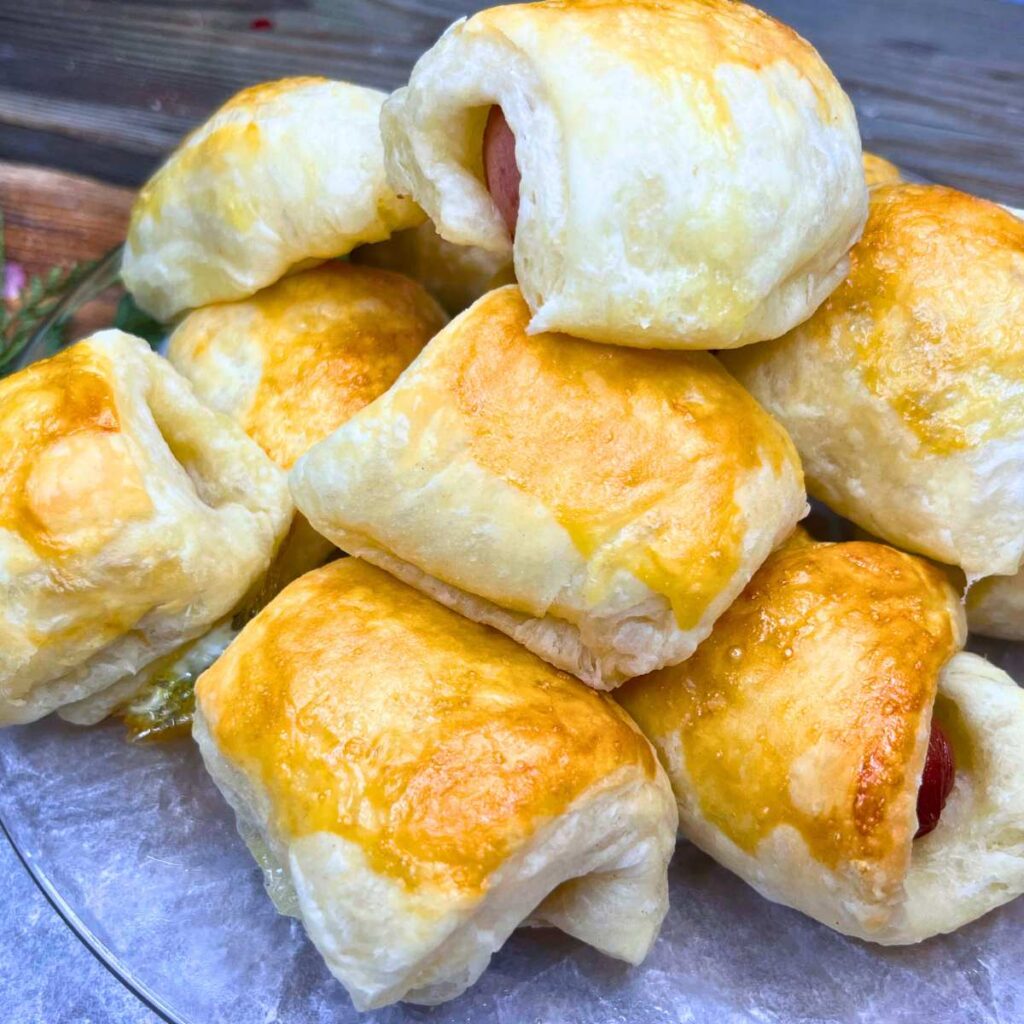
column 132, row 320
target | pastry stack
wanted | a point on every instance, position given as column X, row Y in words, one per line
column 577, row 616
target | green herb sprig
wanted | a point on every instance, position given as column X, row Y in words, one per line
column 39, row 298
column 36, row 301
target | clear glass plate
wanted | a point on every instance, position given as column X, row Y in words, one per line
column 137, row 851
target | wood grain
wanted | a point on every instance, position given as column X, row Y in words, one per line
column 58, row 219
column 107, row 88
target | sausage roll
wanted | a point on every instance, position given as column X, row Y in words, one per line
column 682, row 174
column 297, row 359
column 417, row 786
column 904, row 393
column 829, row 745
column 284, row 175
column 879, row 171
column 995, row 607
column 132, row 520
column 456, row 275
column 601, row 505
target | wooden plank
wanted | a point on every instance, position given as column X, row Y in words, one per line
column 107, row 88
column 53, row 218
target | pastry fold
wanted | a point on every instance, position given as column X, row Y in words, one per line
column 285, row 174
column 132, row 520
column 995, row 607
column 602, row 506
column 795, row 739
column 690, row 169
column 417, row 786
column 904, row 393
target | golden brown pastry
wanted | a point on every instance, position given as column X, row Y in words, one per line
column 284, row 175
column 456, row 275
column 132, row 521
column 879, row 171
column 417, row 786
column 904, row 393
column 294, row 361
column 676, row 174
column 601, row 505
column 828, row 720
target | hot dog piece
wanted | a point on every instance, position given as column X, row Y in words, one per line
column 500, row 168
column 936, row 781
column 797, row 742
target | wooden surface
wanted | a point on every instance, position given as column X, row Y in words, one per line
column 106, row 88
column 52, row 218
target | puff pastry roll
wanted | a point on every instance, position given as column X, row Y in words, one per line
column 879, row 171
column 456, row 275
column 285, row 174
column 600, row 505
column 995, row 607
column 829, row 720
column 418, row 785
column 904, row 393
column 132, row 519
column 682, row 174
column 294, row 361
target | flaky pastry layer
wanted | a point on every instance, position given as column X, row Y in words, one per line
column 602, row 505
column 795, row 740
column 904, row 393
column 691, row 170
column 285, row 174
column 416, row 786
column 132, row 519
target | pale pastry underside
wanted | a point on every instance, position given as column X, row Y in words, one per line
column 995, row 607
column 632, row 632
column 602, row 652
